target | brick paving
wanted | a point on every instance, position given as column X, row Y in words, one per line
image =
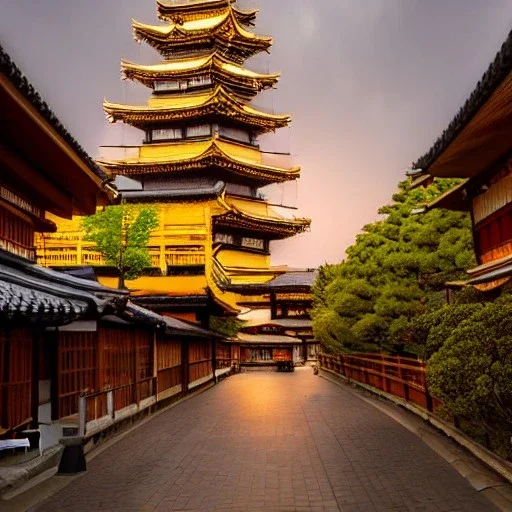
column 270, row 442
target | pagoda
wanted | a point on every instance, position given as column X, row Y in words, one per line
column 200, row 165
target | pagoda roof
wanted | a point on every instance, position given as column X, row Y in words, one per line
column 179, row 12
column 479, row 134
column 258, row 217
column 191, row 156
column 244, row 81
column 194, row 107
column 176, row 194
column 223, row 32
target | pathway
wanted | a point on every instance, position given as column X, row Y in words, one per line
column 266, row 441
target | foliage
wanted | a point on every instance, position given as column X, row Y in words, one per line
column 121, row 233
column 227, row 326
column 393, row 273
column 472, row 370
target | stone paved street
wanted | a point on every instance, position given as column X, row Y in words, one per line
column 272, row 442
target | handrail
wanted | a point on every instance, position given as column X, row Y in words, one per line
column 387, row 373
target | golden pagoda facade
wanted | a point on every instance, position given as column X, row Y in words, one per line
column 199, row 165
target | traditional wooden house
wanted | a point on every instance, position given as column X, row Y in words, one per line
column 477, row 148
column 285, row 331
column 43, row 168
column 74, row 355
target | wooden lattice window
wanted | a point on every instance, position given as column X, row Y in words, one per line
column 77, row 369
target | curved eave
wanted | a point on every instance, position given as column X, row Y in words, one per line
column 156, row 196
column 273, row 228
column 468, row 145
column 218, row 104
column 183, row 12
column 227, row 34
column 222, row 72
column 212, row 157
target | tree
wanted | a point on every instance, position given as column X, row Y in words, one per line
column 394, row 272
column 121, row 233
column 472, row 372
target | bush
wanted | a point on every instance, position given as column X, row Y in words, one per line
column 472, row 371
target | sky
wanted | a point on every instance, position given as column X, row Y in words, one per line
column 370, row 84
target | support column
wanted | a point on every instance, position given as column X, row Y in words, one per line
column 184, row 366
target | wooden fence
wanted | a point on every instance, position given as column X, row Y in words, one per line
column 399, row 376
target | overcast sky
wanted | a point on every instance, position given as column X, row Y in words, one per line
column 370, row 83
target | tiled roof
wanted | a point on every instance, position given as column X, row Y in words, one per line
column 25, row 305
column 20, row 81
column 33, row 293
column 266, row 339
column 291, row 279
column 170, row 194
column 492, row 78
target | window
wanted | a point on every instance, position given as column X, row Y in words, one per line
column 167, row 85
column 199, row 130
column 167, row 134
column 235, row 134
column 200, row 81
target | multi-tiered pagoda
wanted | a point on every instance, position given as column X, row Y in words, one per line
column 200, row 164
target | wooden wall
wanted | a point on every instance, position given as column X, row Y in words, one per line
column 200, row 359
column 169, row 365
column 15, row 378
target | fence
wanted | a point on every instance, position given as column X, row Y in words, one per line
column 97, row 411
column 399, row 376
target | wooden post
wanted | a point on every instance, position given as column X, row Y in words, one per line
column 405, row 386
column 155, row 364
column 4, row 421
column 100, row 340
column 54, row 372
column 184, row 366
column 35, row 380
column 135, row 344
column 110, row 404
column 383, row 372
column 82, row 415
column 214, row 359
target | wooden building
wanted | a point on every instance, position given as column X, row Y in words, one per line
column 477, row 148
column 200, row 165
column 43, row 168
column 283, row 332
column 74, row 355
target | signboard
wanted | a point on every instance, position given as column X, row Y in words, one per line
column 253, row 243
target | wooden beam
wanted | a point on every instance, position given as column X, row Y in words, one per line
column 54, row 198
column 40, row 121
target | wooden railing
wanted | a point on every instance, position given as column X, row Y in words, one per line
column 399, row 376
column 100, row 409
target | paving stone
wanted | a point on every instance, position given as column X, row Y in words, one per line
column 270, row 441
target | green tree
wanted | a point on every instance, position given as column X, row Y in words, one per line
column 472, row 372
column 121, row 233
column 395, row 271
